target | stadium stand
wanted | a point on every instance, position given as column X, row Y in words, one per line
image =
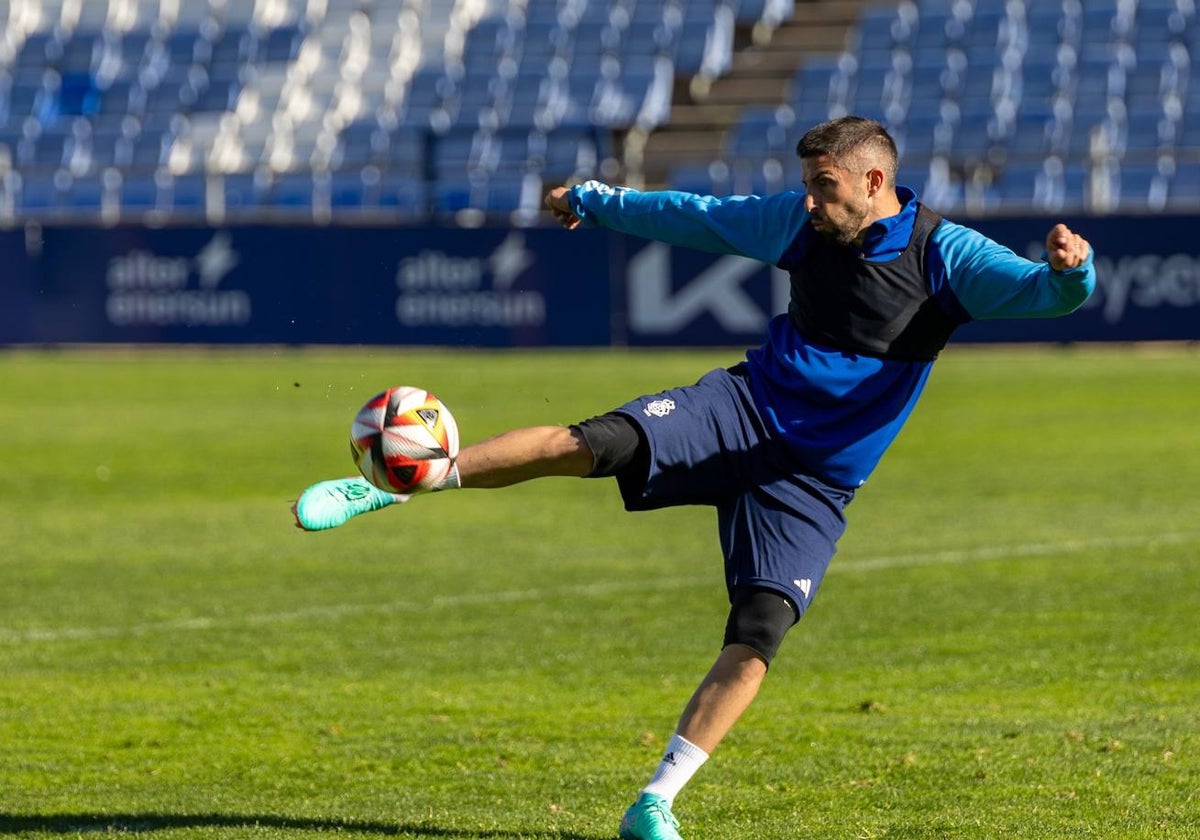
column 1008, row 107
column 402, row 110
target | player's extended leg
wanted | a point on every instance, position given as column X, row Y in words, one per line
column 524, row 454
column 500, row 461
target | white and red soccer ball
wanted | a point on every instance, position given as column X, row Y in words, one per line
column 404, row 440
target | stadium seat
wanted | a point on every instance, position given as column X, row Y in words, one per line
column 40, row 195
column 291, row 191
column 762, row 132
column 922, row 135
column 457, row 152
column 84, row 196
column 363, row 142
column 818, row 86
column 1183, row 190
column 431, row 87
column 1142, row 187
column 184, row 194
column 138, row 193
column 572, row 153
column 243, row 191
column 711, row 178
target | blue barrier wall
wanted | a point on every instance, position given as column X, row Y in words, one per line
column 495, row 287
column 502, row 287
column 1148, row 288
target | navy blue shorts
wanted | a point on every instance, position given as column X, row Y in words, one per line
column 708, row 446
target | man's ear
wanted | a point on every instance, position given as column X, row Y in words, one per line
column 875, row 181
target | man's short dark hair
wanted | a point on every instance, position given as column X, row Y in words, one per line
column 846, row 138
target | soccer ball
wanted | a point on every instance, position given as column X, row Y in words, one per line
column 404, row 440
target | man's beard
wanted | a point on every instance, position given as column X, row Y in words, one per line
column 845, row 233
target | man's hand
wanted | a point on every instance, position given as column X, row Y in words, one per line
column 1066, row 249
column 556, row 200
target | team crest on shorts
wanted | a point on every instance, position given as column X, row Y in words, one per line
column 659, row 408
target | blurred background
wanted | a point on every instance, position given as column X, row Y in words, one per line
column 124, row 123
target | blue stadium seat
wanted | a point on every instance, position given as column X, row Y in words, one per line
column 1144, row 134
column 273, row 45
column 749, row 12
column 349, row 189
column 18, row 105
column 710, row 178
column 922, row 135
column 243, row 191
column 451, row 195
column 1015, row 184
column 934, row 29
column 571, row 153
column 477, row 94
column 133, row 47
column 428, row 90
column 50, row 147
column 761, row 132
column 876, row 30
column 688, row 49
column 85, row 195
column 217, row 95
column 408, row 149
column 291, row 191
column 817, row 84
column 503, row 193
column 758, row 177
column 228, row 51
column 455, row 153
column 117, row 101
column 403, row 196
column 912, row 175
column 1183, row 192
column 138, row 193
column 363, row 142
column 487, row 41
column 928, row 87
column 39, row 194
column 529, row 96
column 184, row 193
column 1142, row 187
column 35, row 53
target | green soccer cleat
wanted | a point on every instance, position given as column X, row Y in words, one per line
column 328, row 504
column 649, row 818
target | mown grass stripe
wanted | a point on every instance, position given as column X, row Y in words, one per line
column 333, row 612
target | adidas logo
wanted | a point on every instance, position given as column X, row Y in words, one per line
column 669, row 758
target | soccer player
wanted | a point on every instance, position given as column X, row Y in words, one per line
column 778, row 443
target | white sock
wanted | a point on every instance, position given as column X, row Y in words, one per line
column 680, row 762
column 451, row 481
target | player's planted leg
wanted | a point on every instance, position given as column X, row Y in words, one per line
column 758, row 621
column 650, row 818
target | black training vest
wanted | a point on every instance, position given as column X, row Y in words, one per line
column 882, row 309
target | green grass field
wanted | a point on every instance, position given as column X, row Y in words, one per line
column 1005, row 647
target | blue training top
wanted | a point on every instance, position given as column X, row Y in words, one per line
column 837, row 410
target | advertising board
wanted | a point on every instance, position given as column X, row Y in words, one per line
column 505, row 287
